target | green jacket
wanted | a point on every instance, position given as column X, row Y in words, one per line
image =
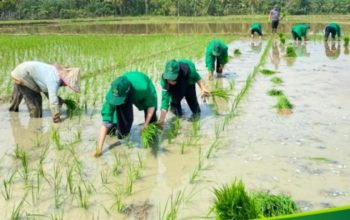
column 337, row 28
column 210, row 58
column 256, row 26
column 143, row 96
column 193, row 78
column 300, row 30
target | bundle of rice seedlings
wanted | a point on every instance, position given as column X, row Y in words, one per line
column 276, row 80
column 283, row 105
column 149, row 134
column 346, row 41
column 221, row 93
column 233, row 202
column 267, row 72
column 237, row 52
column 283, row 40
column 274, row 205
column 72, row 106
column 291, row 52
column 275, row 92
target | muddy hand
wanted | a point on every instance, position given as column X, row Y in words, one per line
column 97, row 153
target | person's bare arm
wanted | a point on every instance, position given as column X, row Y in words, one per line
column 162, row 116
column 150, row 112
column 101, row 140
column 204, row 90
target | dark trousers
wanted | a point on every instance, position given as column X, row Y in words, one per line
column 191, row 99
column 125, row 115
column 296, row 36
column 330, row 30
column 274, row 24
column 32, row 98
column 256, row 31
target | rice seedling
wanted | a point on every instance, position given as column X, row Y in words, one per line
column 283, row 103
column 267, row 72
column 233, row 202
column 195, row 173
column 83, row 198
column 139, row 159
column 213, row 146
column 231, row 84
column 346, row 41
column 55, row 216
column 174, row 206
column 283, row 40
column 7, row 184
column 24, row 162
column 56, row 139
column 274, row 205
column 18, row 152
column 149, row 134
column 220, row 93
column 117, row 166
column 129, row 183
column 104, row 174
column 196, row 125
column 321, row 159
column 57, row 179
column 175, row 126
column 237, row 52
column 70, row 180
column 119, row 204
column 290, row 51
column 275, row 92
column 276, row 80
column 77, row 137
column 16, row 211
column 183, row 146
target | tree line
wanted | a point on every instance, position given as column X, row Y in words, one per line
column 47, row 9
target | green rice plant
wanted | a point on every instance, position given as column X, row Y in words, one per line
column 119, row 203
column 83, row 198
column 117, row 165
column 217, row 130
column 175, row 126
column 139, row 159
column 183, row 146
column 231, row 84
column 274, row 205
column 221, row 93
column 233, row 202
column 24, row 162
column 276, row 80
column 56, row 139
column 213, row 146
column 16, row 211
column 77, row 137
column 283, row 40
column 70, row 180
column 174, row 206
column 55, row 216
column 57, row 179
column 196, row 125
column 104, row 174
column 195, row 173
column 290, row 51
column 320, row 159
column 129, row 183
column 237, row 52
column 18, row 152
column 275, row 92
column 72, row 107
column 267, row 72
column 149, row 134
column 346, row 41
column 7, row 184
column 283, row 103
column 280, row 35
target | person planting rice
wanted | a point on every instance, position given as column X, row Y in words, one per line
column 178, row 81
column 333, row 29
column 33, row 77
column 256, row 28
column 117, row 110
column 216, row 52
column 274, row 18
column 299, row 32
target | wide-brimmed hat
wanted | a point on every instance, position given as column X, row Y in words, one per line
column 171, row 71
column 119, row 90
column 216, row 50
column 71, row 78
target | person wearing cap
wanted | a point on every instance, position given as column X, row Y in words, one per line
column 117, row 110
column 333, row 29
column 179, row 81
column 274, row 18
column 299, row 32
column 33, row 77
column 256, row 28
column 216, row 51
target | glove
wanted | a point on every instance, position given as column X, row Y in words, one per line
column 57, row 118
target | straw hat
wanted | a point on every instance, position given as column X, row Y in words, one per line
column 71, row 78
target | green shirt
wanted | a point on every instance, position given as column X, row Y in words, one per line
column 300, row 30
column 256, row 26
column 210, row 58
column 336, row 27
column 193, row 78
column 143, row 96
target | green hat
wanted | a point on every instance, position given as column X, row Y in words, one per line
column 118, row 91
column 171, row 71
column 217, row 50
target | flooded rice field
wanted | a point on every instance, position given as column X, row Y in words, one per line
column 304, row 154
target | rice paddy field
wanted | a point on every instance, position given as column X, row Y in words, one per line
column 284, row 127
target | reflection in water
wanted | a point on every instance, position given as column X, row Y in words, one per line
column 275, row 55
column 300, row 50
column 346, row 50
column 332, row 49
column 256, row 46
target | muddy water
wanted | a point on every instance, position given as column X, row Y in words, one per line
column 268, row 151
column 172, row 28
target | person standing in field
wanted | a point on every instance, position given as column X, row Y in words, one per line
column 179, row 81
column 216, row 52
column 299, row 32
column 117, row 110
column 274, row 18
column 333, row 29
column 256, row 28
column 33, row 77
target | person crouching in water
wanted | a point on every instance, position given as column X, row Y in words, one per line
column 216, row 52
column 117, row 111
column 179, row 81
column 333, row 29
column 256, row 28
column 33, row 77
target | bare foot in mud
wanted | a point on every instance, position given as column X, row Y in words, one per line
column 285, row 111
